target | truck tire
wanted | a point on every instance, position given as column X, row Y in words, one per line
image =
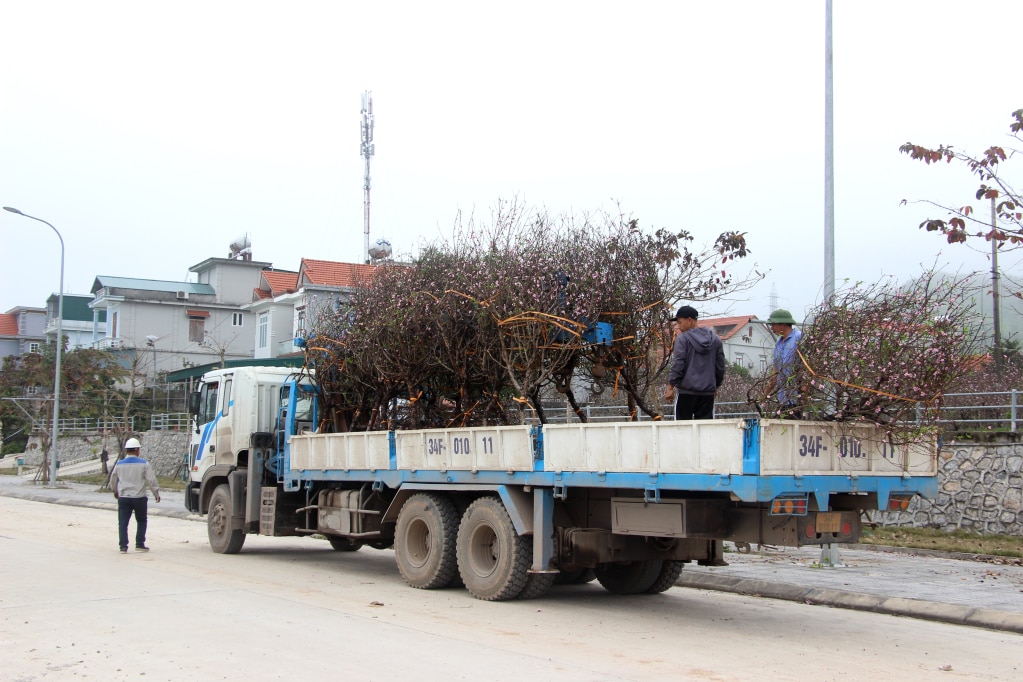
column 424, row 541
column 493, row 559
column 667, row 577
column 223, row 540
column 537, row 585
column 632, row 577
column 340, row 544
column 580, row 576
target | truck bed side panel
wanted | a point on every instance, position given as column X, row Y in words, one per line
column 796, row 447
column 701, row 447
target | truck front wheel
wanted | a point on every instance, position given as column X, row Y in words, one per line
column 424, row 541
column 493, row 559
column 223, row 540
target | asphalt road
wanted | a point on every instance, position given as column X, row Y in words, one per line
column 72, row 607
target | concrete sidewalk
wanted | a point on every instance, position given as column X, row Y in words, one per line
column 902, row 583
column 896, row 582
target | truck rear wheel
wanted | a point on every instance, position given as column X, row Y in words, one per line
column 666, row 579
column 493, row 559
column 629, row 578
column 424, row 541
column 223, row 539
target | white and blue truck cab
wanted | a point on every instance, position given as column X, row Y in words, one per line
column 234, row 408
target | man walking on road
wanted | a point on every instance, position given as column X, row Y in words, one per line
column 129, row 480
column 697, row 368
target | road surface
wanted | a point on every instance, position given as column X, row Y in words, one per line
column 72, row 607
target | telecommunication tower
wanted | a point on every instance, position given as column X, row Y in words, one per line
column 368, row 149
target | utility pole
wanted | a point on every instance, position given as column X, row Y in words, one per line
column 995, row 294
column 829, row 160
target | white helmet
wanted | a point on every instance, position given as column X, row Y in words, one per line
column 132, row 444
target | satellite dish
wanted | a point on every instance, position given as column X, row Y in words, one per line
column 382, row 249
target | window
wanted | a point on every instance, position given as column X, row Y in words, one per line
column 208, row 403
column 763, row 363
column 300, row 323
column 113, row 326
column 196, row 329
column 739, row 359
column 197, row 325
column 33, row 347
column 264, row 323
column 227, row 397
column 237, row 319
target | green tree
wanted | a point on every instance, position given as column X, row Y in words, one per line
column 26, row 386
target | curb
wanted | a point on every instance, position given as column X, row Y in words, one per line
column 895, row 606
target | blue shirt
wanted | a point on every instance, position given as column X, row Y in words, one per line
column 784, row 365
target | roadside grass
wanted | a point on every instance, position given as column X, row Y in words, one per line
column 944, row 541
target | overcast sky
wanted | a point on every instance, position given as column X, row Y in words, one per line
column 153, row 134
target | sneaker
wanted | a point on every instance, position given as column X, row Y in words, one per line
column 124, row 550
column 143, row 548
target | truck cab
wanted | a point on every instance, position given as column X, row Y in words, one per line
column 235, row 409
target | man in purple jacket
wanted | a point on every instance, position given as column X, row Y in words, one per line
column 697, row 367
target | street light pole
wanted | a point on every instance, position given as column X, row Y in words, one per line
column 60, row 347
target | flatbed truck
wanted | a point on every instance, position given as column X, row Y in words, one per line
column 508, row 511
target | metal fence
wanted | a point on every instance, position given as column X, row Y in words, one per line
column 94, row 425
column 991, row 412
column 176, row 421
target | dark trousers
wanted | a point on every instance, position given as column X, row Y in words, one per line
column 126, row 506
column 688, row 406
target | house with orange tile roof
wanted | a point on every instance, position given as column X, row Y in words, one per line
column 22, row 330
column 746, row 341
column 285, row 302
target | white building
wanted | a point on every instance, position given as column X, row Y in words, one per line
column 746, row 342
column 167, row 325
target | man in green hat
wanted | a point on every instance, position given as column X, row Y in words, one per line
column 783, row 381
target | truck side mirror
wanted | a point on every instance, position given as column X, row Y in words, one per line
column 193, row 403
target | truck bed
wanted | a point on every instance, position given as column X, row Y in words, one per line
column 753, row 459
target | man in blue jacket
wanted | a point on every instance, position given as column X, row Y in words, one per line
column 129, row 480
column 697, row 367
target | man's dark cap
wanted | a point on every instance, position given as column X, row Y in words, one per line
column 686, row 311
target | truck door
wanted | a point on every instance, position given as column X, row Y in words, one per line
column 225, row 453
column 206, row 422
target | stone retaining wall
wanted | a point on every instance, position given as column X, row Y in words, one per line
column 165, row 450
column 980, row 489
